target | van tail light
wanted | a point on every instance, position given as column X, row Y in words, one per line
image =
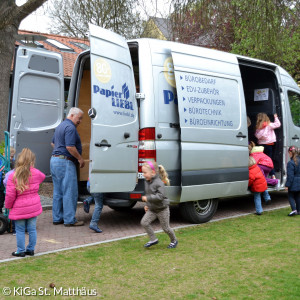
column 147, row 149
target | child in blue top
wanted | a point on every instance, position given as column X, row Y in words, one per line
column 98, row 198
column 292, row 184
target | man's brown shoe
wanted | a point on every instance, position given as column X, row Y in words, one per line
column 78, row 223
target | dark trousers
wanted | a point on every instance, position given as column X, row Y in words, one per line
column 268, row 150
column 294, row 199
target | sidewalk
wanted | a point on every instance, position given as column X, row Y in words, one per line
column 117, row 225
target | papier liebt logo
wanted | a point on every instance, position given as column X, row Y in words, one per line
column 118, row 99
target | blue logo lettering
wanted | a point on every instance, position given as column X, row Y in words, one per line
column 118, row 99
column 169, row 97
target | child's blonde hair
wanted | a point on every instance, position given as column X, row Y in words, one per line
column 25, row 160
column 163, row 175
column 260, row 119
column 12, row 151
column 160, row 170
column 251, row 161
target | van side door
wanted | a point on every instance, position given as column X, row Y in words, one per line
column 37, row 102
column 114, row 114
column 292, row 95
column 214, row 136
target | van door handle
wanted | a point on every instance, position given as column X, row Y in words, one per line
column 295, row 137
column 102, row 145
column 241, row 135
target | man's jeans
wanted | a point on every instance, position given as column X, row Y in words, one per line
column 30, row 225
column 98, row 198
column 65, row 190
column 257, row 200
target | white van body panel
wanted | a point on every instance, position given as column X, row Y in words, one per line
column 289, row 88
column 114, row 128
column 37, row 102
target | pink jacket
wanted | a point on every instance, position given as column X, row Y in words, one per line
column 261, row 158
column 267, row 135
column 24, row 205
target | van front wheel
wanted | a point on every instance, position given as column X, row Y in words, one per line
column 200, row 211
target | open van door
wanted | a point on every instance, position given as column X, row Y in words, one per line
column 114, row 114
column 37, row 102
column 292, row 94
column 214, row 136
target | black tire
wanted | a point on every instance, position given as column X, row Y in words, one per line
column 122, row 208
column 200, row 211
column 3, row 224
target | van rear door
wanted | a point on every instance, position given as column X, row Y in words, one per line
column 114, row 114
column 37, row 102
column 214, row 137
column 292, row 94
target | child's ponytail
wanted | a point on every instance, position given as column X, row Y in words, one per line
column 163, row 175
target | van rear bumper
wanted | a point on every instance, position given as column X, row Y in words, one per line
column 125, row 199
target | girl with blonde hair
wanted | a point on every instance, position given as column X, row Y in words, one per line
column 157, row 203
column 23, row 201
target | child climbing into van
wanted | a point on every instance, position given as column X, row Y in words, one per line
column 23, row 201
column 293, row 181
column 157, row 203
column 264, row 162
column 265, row 134
column 257, row 185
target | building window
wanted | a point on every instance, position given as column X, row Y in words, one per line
column 81, row 45
column 59, row 45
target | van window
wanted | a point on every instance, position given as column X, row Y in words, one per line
column 294, row 100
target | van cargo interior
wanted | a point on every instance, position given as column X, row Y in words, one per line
column 259, row 76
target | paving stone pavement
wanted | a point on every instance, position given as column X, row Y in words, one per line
column 116, row 225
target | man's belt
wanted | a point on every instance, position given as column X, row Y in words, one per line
column 65, row 157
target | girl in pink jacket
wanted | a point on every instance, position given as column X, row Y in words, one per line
column 23, row 201
column 265, row 134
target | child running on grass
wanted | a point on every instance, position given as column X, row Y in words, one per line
column 23, row 201
column 157, row 203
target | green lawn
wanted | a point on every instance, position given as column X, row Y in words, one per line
column 252, row 257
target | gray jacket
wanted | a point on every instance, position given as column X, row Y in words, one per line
column 156, row 195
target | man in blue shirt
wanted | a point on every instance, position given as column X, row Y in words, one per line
column 66, row 155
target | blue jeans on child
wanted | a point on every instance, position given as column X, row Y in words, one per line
column 65, row 190
column 21, row 226
column 98, row 198
column 257, row 200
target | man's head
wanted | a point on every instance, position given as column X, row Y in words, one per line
column 75, row 115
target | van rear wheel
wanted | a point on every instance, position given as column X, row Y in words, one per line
column 200, row 211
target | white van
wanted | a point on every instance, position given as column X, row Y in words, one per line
column 184, row 106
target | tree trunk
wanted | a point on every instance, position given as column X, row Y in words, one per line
column 7, row 44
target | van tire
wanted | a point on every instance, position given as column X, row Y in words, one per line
column 3, row 224
column 122, row 208
column 200, row 211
